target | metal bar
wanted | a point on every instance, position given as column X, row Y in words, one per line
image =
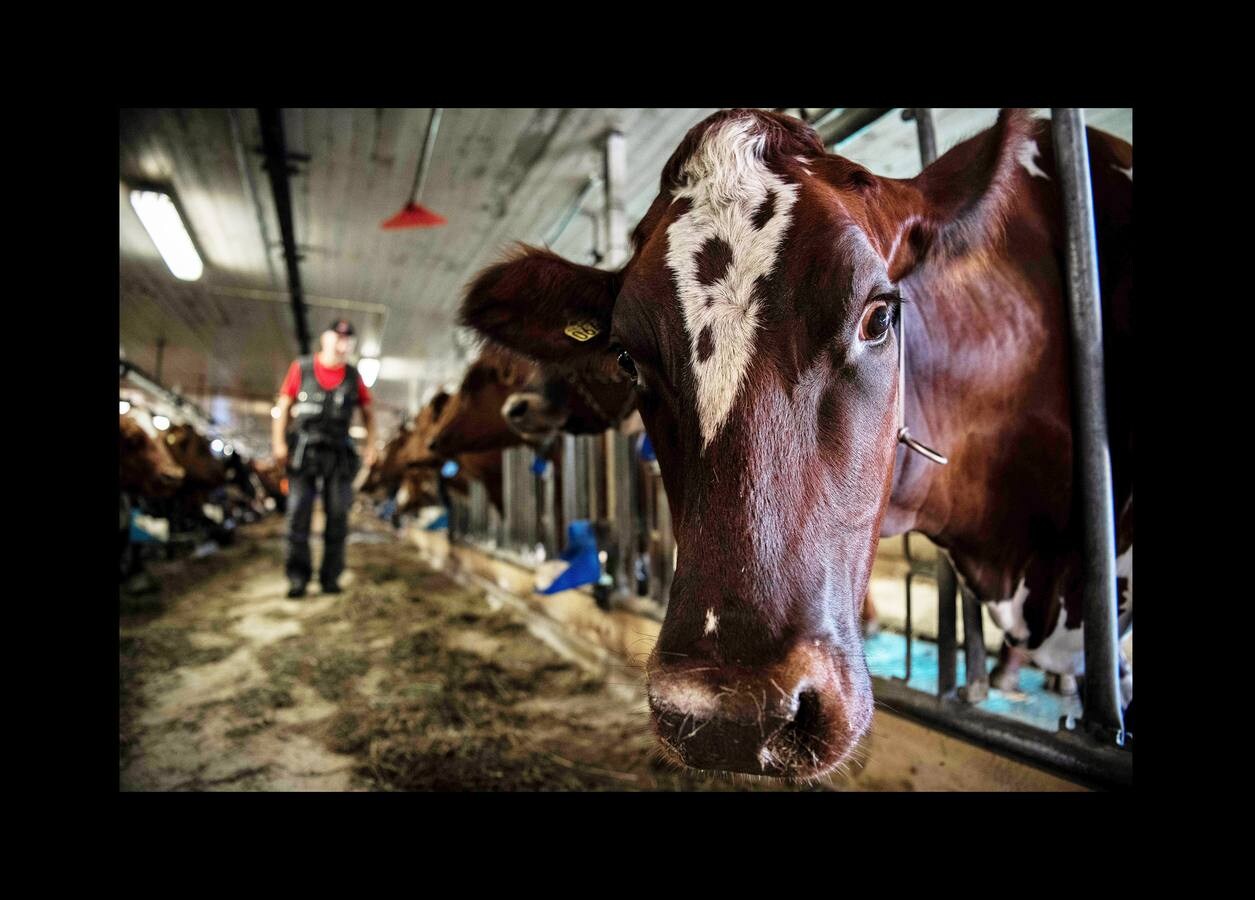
column 277, row 167
column 547, row 513
column 848, row 123
column 947, row 628
column 624, row 528
column 1094, row 501
column 616, row 200
column 910, row 576
column 424, row 160
column 976, row 688
column 1070, row 754
column 570, row 509
column 925, row 133
column 560, row 226
column 509, row 502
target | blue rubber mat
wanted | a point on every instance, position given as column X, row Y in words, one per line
column 1032, row 704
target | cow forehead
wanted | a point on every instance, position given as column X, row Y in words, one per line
column 720, row 251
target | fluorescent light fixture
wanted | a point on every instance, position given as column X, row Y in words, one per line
column 216, row 445
column 228, row 450
column 368, row 366
column 357, row 432
column 161, row 423
column 123, row 407
column 161, row 219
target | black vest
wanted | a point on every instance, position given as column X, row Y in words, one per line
column 322, row 415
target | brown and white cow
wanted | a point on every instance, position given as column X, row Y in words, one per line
column 757, row 313
column 145, row 467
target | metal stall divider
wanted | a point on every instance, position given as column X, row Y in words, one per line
column 1103, row 715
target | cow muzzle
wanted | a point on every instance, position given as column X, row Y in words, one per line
column 529, row 415
column 797, row 719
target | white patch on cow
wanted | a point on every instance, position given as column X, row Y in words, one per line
column 1063, row 652
column 1009, row 614
column 1027, row 156
column 403, row 496
column 1128, row 171
column 712, row 622
column 725, row 181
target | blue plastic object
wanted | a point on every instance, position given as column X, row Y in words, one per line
column 441, row 521
column 581, row 553
column 647, row 449
column 139, row 535
column 540, row 465
column 450, row 468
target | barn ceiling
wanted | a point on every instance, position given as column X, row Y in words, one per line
column 496, row 175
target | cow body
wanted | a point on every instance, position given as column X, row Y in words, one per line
column 761, row 315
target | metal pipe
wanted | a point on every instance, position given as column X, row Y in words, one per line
column 947, row 628
column 561, row 224
column 1094, row 502
column 976, row 688
column 424, row 161
column 925, row 132
column 847, row 124
column 1072, row 755
column 278, row 169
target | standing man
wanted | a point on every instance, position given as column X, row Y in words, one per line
column 311, row 436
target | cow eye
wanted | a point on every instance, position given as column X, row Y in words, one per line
column 877, row 319
column 627, row 364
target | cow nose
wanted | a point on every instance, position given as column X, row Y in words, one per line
column 798, row 718
column 517, row 410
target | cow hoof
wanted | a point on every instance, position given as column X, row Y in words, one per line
column 1004, row 679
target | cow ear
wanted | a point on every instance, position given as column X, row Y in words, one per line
column 542, row 306
column 964, row 196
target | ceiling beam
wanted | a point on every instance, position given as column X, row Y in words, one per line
column 278, row 166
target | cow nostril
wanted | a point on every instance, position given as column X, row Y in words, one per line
column 807, row 719
column 431, row 445
column 518, row 410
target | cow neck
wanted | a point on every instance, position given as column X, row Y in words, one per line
column 904, row 433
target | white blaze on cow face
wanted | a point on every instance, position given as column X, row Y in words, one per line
column 728, row 187
column 712, row 621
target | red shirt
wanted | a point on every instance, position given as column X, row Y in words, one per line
column 328, row 379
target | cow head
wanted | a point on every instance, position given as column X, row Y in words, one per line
column 191, row 450
column 757, row 314
column 144, row 465
column 577, row 402
column 474, row 422
column 415, row 451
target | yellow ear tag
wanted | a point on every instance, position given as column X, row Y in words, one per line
column 582, row 331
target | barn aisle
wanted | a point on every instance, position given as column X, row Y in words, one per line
column 406, row 681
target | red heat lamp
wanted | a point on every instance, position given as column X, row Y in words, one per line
column 414, row 214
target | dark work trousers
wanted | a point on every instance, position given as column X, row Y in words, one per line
column 337, row 497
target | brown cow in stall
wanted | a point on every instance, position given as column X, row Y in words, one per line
column 758, row 314
column 145, row 468
column 191, row 450
column 385, row 476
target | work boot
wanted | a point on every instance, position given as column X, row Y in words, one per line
column 331, row 588
column 296, row 590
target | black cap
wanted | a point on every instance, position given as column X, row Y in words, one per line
column 342, row 326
